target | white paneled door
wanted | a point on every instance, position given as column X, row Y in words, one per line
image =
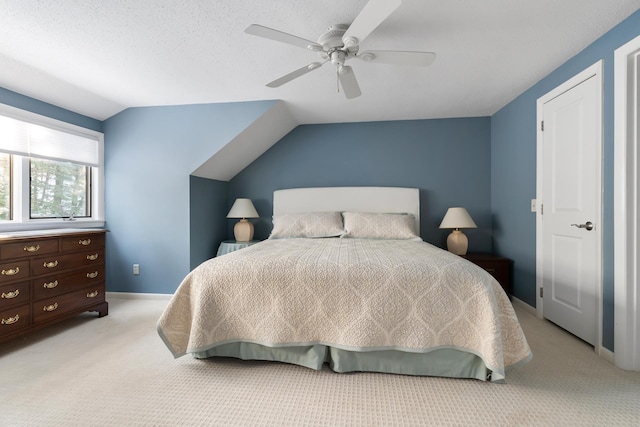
column 571, row 216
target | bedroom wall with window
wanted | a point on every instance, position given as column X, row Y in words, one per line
column 447, row 159
column 513, row 172
column 150, row 153
column 45, row 109
column 42, row 149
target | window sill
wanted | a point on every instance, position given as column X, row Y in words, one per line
column 51, row 225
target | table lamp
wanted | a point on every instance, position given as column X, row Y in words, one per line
column 457, row 218
column 243, row 208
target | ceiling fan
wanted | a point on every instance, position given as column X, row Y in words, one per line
column 340, row 43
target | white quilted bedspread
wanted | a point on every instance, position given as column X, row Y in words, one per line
column 352, row 294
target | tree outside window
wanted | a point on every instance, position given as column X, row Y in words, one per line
column 49, row 171
column 5, row 187
column 59, row 189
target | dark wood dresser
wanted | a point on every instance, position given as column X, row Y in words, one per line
column 49, row 277
column 499, row 267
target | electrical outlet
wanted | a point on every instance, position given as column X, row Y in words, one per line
column 136, row 269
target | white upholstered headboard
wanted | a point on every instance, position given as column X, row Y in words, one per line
column 353, row 199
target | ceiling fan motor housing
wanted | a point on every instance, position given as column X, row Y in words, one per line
column 332, row 38
column 331, row 41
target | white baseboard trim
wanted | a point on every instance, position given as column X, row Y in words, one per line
column 135, row 295
column 603, row 352
column 523, row 305
column 606, row 354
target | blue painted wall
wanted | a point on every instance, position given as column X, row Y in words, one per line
column 513, row 172
column 207, row 218
column 26, row 103
column 447, row 159
column 149, row 155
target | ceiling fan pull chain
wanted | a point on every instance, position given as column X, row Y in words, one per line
column 337, row 81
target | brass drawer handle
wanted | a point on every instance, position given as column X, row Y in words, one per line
column 85, row 242
column 51, row 307
column 50, row 285
column 51, row 264
column 11, row 320
column 92, row 294
column 32, row 248
column 10, row 295
column 11, row 271
column 92, row 257
column 92, row 275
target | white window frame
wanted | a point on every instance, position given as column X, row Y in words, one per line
column 21, row 220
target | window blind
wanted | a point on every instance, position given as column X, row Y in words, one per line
column 28, row 139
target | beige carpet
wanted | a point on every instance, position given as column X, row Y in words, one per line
column 115, row 371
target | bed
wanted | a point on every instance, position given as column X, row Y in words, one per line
column 344, row 280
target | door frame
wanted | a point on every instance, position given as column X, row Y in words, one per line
column 594, row 71
column 626, row 196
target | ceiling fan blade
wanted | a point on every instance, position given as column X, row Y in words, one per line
column 368, row 20
column 349, row 83
column 398, row 57
column 279, row 36
column 295, row 74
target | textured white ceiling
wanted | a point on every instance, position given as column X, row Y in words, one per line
column 98, row 57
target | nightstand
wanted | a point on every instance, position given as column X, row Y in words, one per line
column 499, row 267
column 231, row 245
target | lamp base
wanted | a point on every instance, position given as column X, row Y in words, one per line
column 243, row 231
column 457, row 242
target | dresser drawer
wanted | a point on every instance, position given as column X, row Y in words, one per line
column 51, row 308
column 14, row 294
column 56, row 284
column 14, row 319
column 27, row 248
column 48, row 276
column 12, row 271
column 83, row 242
column 55, row 263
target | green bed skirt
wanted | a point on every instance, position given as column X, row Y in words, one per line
column 450, row 363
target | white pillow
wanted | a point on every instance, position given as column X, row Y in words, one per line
column 307, row 224
column 363, row 225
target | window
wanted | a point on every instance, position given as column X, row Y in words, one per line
column 5, row 187
column 59, row 189
column 50, row 172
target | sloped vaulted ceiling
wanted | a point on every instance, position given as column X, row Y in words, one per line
column 99, row 57
column 249, row 144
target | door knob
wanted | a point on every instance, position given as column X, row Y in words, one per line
column 588, row 225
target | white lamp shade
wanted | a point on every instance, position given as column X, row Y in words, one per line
column 457, row 218
column 243, row 208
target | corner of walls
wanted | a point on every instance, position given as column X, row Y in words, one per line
column 249, row 144
column 513, row 185
column 150, row 153
column 513, row 169
column 33, row 105
column 208, row 218
column 448, row 160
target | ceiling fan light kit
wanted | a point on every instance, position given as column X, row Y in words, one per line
column 340, row 43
